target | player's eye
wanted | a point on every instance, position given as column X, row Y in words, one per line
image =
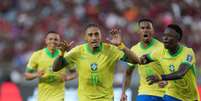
column 147, row 27
column 55, row 39
column 96, row 33
column 50, row 39
column 90, row 34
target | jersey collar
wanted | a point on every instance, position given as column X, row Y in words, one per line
column 56, row 53
column 177, row 53
column 88, row 49
column 149, row 45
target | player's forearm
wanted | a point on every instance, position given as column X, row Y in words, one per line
column 132, row 57
column 178, row 74
column 59, row 63
column 127, row 80
column 30, row 76
column 173, row 76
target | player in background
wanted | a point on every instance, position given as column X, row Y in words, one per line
column 178, row 62
column 95, row 62
column 51, row 84
column 146, row 45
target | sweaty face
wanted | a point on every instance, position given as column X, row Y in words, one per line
column 52, row 40
column 93, row 37
column 146, row 30
column 170, row 38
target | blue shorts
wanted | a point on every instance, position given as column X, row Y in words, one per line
column 148, row 98
column 170, row 98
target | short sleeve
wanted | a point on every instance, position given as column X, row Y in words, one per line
column 32, row 63
column 72, row 56
column 117, row 53
column 189, row 58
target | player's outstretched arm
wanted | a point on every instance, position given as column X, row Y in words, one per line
column 183, row 69
column 33, row 75
column 126, row 83
column 60, row 62
column 117, row 40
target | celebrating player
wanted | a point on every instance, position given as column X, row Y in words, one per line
column 147, row 45
column 178, row 63
column 51, row 84
column 95, row 62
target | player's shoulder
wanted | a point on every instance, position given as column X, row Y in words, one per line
column 79, row 47
column 157, row 42
column 108, row 45
column 39, row 52
column 135, row 46
column 188, row 49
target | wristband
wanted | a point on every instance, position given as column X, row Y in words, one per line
column 163, row 77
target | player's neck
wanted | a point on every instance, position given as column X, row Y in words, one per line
column 94, row 49
column 174, row 50
column 51, row 50
column 146, row 44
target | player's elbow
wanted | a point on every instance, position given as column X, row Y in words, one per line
column 180, row 75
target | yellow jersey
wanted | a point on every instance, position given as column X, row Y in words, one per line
column 51, row 84
column 184, row 89
column 148, row 69
column 95, row 70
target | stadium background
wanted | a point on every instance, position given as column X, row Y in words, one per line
column 23, row 24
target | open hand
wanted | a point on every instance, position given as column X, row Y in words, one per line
column 115, row 36
column 64, row 45
column 153, row 79
column 162, row 84
column 40, row 73
column 123, row 97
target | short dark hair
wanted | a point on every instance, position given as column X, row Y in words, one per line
column 52, row 31
column 145, row 20
column 177, row 29
column 91, row 25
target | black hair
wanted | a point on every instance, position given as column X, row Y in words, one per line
column 52, row 32
column 91, row 25
column 145, row 20
column 177, row 29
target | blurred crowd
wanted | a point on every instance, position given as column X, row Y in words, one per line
column 24, row 23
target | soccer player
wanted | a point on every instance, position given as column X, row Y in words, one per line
column 178, row 63
column 51, row 84
column 95, row 62
column 146, row 45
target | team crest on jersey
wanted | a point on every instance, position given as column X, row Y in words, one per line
column 172, row 68
column 189, row 58
column 94, row 67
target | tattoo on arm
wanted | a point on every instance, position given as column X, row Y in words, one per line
column 59, row 63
